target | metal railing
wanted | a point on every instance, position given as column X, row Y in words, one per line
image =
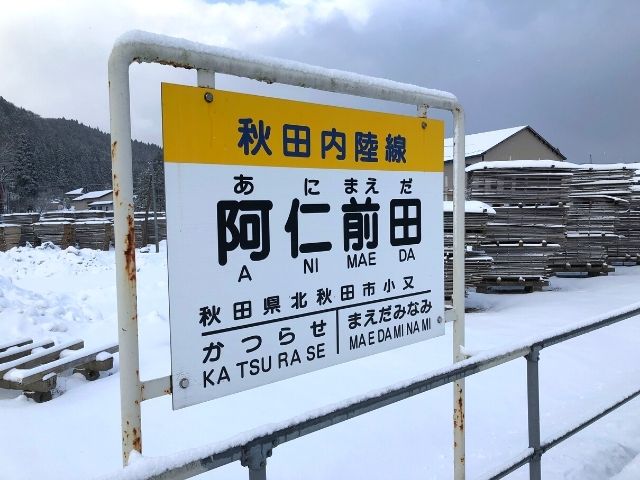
column 253, row 453
column 207, row 60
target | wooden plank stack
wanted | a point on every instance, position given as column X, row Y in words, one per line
column 26, row 221
column 61, row 233
column 614, row 185
column 96, row 234
column 89, row 214
column 477, row 262
column 600, row 230
column 71, row 215
column 529, row 182
column 9, row 236
column 632, row 219
column 530, row 198
column 142, row 222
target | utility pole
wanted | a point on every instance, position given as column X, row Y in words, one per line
column 155, row 207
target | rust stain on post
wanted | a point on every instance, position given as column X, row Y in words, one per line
column 114, row 148
column 137, row 440
column 116, row 187
column 458, row 417
column 130, row 249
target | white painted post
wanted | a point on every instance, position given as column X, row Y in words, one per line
column 125, row 253
column 458, row 290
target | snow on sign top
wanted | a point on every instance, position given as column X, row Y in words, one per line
column 478, row 143
column 299, row 236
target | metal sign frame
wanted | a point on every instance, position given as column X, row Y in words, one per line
column 144, row 47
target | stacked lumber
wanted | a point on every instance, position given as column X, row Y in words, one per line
column 89, row 214
column 143, row 222
column 26, row 221
column 631, row 220
column 57, row 215
column 96, row 234
column 60, row 233
column 530, row 198
column 529, row 182
column 597, row 225
column 477, row 263
column 9, row 236
column 522, row 223
column 614, row 185
column 71, row 215
column 517, row 263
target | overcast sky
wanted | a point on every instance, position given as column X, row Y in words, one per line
column 570, row 69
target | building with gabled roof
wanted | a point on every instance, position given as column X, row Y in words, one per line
column 516, row 143
column 75, row 193
column 83, row 201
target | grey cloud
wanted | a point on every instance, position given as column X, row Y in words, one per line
column 570, row 69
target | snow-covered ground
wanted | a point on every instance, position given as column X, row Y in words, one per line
column 68, row 294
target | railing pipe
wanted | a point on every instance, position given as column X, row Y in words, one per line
column 533, row 412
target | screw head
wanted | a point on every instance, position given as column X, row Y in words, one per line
column 184, row 382
column 208, row 97
column 439, row 319
column 423, row 125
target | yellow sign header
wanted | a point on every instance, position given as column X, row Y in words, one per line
column 202, row 125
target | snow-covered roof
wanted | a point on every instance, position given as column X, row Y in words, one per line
column 90, row 195
column 77, row 191
column 479, row 143
column 520, row 164
column 102, row 202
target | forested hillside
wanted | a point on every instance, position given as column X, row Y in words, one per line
column 41, row 158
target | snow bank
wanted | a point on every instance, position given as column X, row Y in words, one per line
column 27, row 313
column 630, row 472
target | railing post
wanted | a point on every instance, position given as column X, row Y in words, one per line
column 254, row 458
column 533, row 411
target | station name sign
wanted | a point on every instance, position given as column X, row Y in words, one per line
column 300, row 236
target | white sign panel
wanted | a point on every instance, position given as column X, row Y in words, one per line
column 275, row 271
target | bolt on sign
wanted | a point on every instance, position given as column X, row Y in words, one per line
column 300, row 236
